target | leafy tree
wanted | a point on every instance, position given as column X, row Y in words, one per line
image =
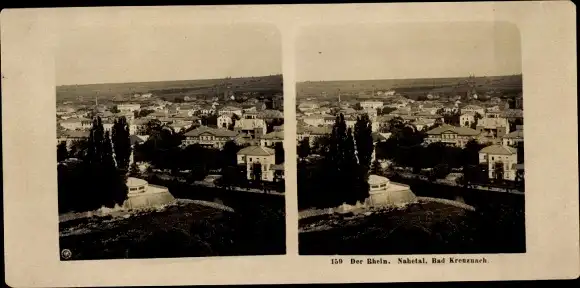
column 209, row 120
column 229, row 153
column 321, row 145
column 121, row 143
column 153, row 127
column 452, row 118
column 78, row 149
column 396, row 125
column 279, row 152
column 440, row 171
column 304, row 148
column 270, row 124
column 387, row 110
column 142, row 113
column 61, row 152
column 376, row 168
column 470, row 155
column 134, row 170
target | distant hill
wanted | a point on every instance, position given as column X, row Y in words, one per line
column 411, row 88
column 169, row 89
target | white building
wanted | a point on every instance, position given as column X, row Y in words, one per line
column 383, row 192
column 466, row 119
column 270, row 139
column 253, row 127
column 513, row 138
column 473, row 109
column 500, row 155
column 128, row 107
column 493, row 125
column 371, row 104
column 314, row 120
column 224, row 121
column 230, row 110
column 76, row 123
column 306, row 106
column 252, row 155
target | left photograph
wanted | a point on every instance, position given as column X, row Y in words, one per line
column 170, row 141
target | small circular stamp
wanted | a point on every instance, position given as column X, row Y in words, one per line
column 66, row 254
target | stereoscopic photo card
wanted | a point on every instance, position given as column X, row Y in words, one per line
column 265, row 144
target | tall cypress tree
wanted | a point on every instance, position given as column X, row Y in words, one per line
column 364, row 147
column 349, row 170
column 115, row 189
column 364, row 140
column 121, row 143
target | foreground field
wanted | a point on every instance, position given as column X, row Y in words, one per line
column 185, row 230
column 429, row 228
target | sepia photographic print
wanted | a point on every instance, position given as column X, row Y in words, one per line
column 410, row 139
column 170, row 142
column 404, row 158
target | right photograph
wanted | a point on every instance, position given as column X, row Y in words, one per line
column 410, row 139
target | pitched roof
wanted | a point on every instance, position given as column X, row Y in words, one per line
column 135, row 139
column 464, row 131
column 378, row 137
column 513, row 113
column 256, row 151
column 498, row 150
column 270, row 114
column 76, row 120
column 75, row 134
column 231, row 108
column 274, row 135
column 303, row 128
column 472, row 107
column 518, row 134
column 216, row 132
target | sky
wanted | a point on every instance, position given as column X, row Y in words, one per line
column 91, row 55
column 407, row 50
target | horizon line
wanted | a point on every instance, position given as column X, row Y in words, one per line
column 379, row 79
column 158, row 81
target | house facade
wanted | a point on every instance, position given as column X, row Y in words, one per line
column 371, row 105
column 249, row 156
column 209, row 137
column 252, row 127
column 504, row 156
column 513, row 138
column 224, row 121
column 230, row 110
column 492, row 125
column 466, row 119
column 451, row 135
column 128, row 107
column 270, row 139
